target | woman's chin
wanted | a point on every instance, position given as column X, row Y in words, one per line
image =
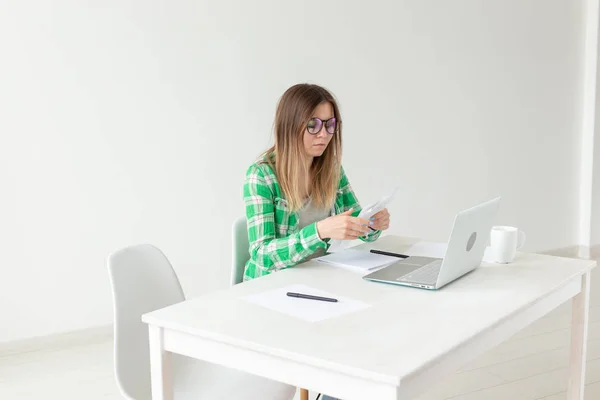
column 317, row 152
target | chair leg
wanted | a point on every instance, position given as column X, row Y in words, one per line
column 303, row 394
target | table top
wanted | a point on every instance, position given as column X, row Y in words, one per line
column 403, row 330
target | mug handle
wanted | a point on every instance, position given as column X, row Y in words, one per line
column 521, row 239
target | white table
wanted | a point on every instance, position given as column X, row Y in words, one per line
column 407, row 340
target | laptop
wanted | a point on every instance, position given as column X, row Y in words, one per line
column 468, row 240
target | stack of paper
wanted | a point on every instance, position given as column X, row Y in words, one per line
column 358, row 260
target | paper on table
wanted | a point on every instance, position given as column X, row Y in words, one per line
column 357, row 260
column 366, row 213
column 308, row 310
column 438, row 250
column 336, row 246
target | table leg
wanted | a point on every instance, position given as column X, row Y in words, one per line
column 303, row 394
column 160, row 366
column 579, row 328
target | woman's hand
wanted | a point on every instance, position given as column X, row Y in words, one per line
column 342, row 227
column 381, row 220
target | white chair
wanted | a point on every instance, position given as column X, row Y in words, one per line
column 241, row 248
column 143, row 280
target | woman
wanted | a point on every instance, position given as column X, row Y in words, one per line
column 297, row 195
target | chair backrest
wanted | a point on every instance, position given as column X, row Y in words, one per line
column 142, row 280
column 241, row 250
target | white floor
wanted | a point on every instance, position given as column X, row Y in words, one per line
column 531, row 365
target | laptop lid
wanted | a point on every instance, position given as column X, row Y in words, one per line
column 468, row 240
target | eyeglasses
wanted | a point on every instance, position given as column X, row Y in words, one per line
column 315, row 124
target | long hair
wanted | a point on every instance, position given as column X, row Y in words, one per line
column 294, row 110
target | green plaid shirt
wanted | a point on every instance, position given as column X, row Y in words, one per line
column 276, row 241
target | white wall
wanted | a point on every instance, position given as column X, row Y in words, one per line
column 134, row 121
column 595, row 219
column 589, row 111
column 595, row 167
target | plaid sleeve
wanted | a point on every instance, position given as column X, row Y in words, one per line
column 350, row 201
column 268, row 252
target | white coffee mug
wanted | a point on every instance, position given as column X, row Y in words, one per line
column 505, row 241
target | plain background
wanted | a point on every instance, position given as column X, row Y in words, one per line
column 129, row 122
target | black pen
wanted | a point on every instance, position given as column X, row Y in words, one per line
column 311, row 297
column 387, row 253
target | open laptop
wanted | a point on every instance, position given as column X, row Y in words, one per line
column 468, row 240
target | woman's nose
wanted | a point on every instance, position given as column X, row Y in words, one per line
column 323, row 132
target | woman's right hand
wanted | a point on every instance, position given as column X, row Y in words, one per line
column 343, row 227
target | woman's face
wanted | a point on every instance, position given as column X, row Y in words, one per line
column 315, row 144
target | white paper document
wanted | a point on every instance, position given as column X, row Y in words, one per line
column 438, row 250
column 357, row 260
column 366, row 213
column 306, row 309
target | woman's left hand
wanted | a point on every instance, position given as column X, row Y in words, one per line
column 381, row 220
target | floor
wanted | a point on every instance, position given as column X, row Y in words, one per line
column 531, row 365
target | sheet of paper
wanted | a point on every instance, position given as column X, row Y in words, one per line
column 335, row 246
column 438, row 250
column 308, row 310
column 372, row 209
column 366, row 213
column 357, row 260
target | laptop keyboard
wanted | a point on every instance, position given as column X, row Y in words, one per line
column 427, row 274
